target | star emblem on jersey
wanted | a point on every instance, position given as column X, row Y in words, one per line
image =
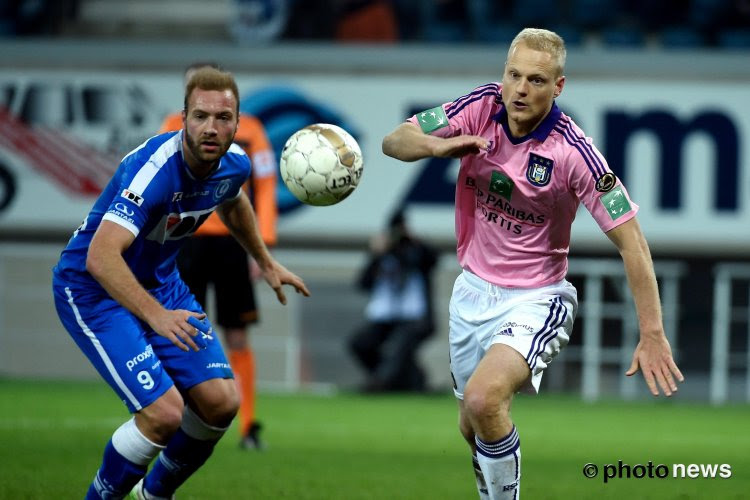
column 616, row 203
column 539, row 170
column 501, row 184
column 432, row 119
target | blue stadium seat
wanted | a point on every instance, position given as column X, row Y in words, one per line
column 535, row 13
column 623, row 37
column 7, row 28
column 592, row 14
column 491, row 22
column 496, row 33
column 706, row 14
column 437, row 27
column 444, row 32
column 571, row 34
column 498, row 21
column 734, row 39
column 681, row 37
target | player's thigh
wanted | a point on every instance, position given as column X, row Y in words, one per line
column 235, row 293
column 116, row 343
column 534, row 322
column 501, row 373
column 465, row 330
column 188, row 368
column 538, row 325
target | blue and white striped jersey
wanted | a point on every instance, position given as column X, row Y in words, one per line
column 154, row 195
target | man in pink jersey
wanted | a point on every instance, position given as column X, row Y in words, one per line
column 525, row 167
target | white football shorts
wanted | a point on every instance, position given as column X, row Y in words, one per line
column 536, row 322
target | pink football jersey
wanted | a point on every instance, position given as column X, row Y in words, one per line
column 515, row 202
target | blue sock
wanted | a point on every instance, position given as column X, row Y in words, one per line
column 186, row 451
column 116, row 476
column 176, row 463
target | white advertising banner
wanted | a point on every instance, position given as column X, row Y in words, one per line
column 677, row 146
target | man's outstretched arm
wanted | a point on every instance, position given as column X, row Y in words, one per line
column 407, row 142
column 653, row 355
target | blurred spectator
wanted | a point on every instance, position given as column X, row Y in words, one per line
column 739, row 14
column 311, row 20
column 35, row 17
column 259, row 20
column 399, row 312
column 366, row 21
column 444, row 21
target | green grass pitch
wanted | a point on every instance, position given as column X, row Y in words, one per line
column 382, row 447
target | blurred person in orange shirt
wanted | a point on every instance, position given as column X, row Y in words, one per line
column 213, row 256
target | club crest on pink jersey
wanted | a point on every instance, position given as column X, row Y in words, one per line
column 539, row 170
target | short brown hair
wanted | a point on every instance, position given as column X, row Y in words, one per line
column 544, row 41
column 207, row 78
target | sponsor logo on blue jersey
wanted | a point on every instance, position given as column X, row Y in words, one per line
column 122, row 211
column 176, row 226
column 133, row 197
column 140, row 358
column 179, row 195
column 222, row 188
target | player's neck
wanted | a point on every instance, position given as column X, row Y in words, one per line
column 199, row 169
column 523, row 128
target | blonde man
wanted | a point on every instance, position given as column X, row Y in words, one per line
column 525, row 168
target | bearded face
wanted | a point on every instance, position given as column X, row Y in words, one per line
column 210, row 124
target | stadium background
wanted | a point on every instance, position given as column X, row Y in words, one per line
column 662, row 89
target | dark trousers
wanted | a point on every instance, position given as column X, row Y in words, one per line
column 388, row 352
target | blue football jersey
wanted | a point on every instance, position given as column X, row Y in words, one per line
column 154, row 195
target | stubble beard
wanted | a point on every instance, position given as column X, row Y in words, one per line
column 199, row 156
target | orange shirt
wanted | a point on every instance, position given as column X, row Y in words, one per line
column 252, row 137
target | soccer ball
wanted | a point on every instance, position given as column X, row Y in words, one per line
column 321, row 164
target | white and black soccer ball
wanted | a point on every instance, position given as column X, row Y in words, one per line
column 321, row 164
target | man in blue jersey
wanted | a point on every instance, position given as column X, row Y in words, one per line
column 119, row 294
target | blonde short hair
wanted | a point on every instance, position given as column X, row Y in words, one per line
column 208, row 78
column 544, row 41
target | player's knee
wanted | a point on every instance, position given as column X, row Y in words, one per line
column 220, row 410
column 230, row 406
column 222, row 415
column 476, row 402
column 482, row 402
column 159, row 421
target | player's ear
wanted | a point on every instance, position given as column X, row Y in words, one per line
column 559, row 84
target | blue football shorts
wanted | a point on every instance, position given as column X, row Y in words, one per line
column 536, row 322
column 136, row 362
